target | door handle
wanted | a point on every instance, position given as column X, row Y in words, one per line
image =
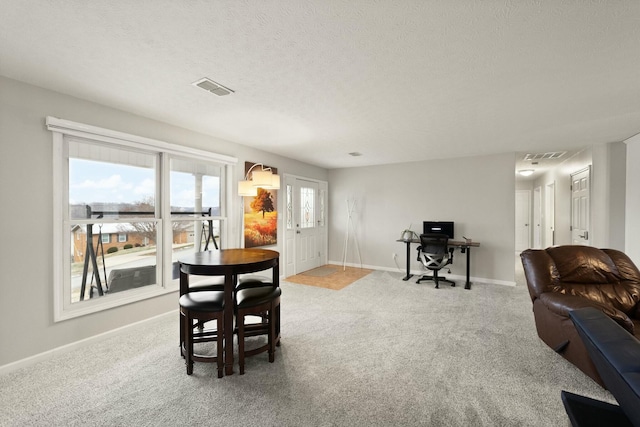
column 585, row 236
column 298, row 232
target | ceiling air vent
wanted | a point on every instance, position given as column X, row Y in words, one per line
column 213, row 87
column 545, row 156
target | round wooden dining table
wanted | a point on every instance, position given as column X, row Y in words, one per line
column 228, row 263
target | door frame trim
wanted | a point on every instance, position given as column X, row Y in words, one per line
column 528, row 245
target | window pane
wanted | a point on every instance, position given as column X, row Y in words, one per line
column 99, row 266
column 195, row 194
column 289, row 207
column 195, row 187
column 108, row 189
column 193, row 236
column 307, row 207
column 322, row 209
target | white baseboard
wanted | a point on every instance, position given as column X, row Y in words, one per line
column 31, row 360
column 421, row 272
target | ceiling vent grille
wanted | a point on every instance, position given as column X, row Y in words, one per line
column 545, row 156
column 213, row 87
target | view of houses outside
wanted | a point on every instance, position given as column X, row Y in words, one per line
column 114, row 227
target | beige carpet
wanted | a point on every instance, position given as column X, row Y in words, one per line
column 329, row 276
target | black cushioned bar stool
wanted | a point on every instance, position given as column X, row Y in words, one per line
column 201, row 307
column 262, row 301
column 211, row 283
column 253, row 281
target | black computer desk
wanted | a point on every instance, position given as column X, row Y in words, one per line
column 463, row 245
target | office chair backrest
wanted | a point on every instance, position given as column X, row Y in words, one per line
column 434, row 243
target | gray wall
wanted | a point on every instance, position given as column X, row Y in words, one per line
column 618, row 195
column 477, row 193
column 26, row 307
column 632, row 247
column 608, row 183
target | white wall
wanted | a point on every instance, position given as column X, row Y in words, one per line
column 478, row 193
column 26, row 318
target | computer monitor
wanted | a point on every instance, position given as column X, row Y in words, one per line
column 444, row 227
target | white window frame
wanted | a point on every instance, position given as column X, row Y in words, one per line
column 62, row 129
column 122, row 237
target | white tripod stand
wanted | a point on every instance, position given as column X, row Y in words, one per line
column 350, row 208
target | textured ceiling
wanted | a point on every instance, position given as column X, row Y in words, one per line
column 396, row 80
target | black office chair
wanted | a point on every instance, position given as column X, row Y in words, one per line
column 434, row 253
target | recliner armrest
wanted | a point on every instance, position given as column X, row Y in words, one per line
column 562, row 304
column 615, row 354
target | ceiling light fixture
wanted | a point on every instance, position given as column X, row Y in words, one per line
column 263, row 178
column 526, row 172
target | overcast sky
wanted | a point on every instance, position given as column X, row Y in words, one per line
column 99, row 182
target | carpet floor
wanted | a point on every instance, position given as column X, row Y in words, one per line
column 381, row 352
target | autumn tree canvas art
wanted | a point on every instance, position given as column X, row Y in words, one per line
column 260, row 217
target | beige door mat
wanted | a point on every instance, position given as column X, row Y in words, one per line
column 329, row 276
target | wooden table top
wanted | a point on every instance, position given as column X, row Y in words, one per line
column 238, row 256
column 238, row 261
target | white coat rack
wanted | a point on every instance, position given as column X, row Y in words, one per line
column 350, row 226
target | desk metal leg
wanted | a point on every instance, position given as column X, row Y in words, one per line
column 468, row 284
column 409, row 275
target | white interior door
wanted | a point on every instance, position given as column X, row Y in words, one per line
column 537, row 218
column 523, row 215
column 307, row 225
column 549, row 214
column 580, row 206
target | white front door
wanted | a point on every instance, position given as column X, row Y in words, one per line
column 523, row 215
column 580, row 206
column 306, row 214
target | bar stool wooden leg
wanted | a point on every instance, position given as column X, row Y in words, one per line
column 271, row 335
column 240, row 320
column 188, row 342
column 220, row 345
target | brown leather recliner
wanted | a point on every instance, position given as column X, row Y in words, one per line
column 564, row 278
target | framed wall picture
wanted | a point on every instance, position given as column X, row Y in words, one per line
column 260, row 215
